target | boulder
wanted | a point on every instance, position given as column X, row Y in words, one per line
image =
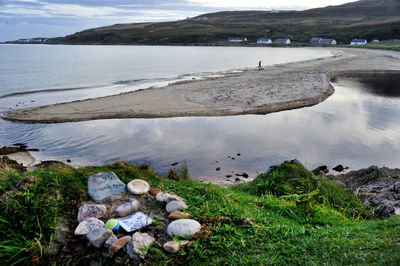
column 138, row 186
column 118, row 244
column 183, row 227
column 86, row 226
column 91, row 211
column 126, row 208
column 338, row 168
column 138, row 246
column 104, row 185
column 175, row 206
column 98, row 236
column 385, row 210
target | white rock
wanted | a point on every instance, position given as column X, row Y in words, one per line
column 138, row 186
column 86, row 226
column 183, row 227
column 175, row 206
column 110, row 241
column 174, row 246
column 128, row 207
column 139, row 245
column 166, row 197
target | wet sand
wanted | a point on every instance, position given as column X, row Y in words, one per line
column 274, row 88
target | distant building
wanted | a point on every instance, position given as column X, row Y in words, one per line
column 315, row 41
column 375, row 41
column 321, row 41
column 328, row 42
column 358, row 42
column 23, row 40
column 237, row 39
column 282, row 41
column 264, row 41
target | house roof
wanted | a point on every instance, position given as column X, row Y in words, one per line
column 358, row 40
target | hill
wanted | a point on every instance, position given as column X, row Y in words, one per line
column 367, row 19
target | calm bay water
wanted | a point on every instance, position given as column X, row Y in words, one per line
column 356, row 127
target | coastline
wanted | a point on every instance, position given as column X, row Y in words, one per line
column 275, row 88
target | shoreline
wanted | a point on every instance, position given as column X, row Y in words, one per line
column 275, row 88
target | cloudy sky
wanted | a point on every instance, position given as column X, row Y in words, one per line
column 52, row 18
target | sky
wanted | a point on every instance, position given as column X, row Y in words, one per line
column 56, row 18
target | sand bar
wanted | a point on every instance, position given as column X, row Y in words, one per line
column 275, row 88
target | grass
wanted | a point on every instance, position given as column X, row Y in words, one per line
column 311, row 227
column 380, row 46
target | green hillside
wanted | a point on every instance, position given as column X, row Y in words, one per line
column 369, row 19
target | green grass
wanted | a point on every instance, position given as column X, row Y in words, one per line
column 309, row 228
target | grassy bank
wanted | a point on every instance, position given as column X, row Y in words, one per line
column 294, row 219
column 379, row 46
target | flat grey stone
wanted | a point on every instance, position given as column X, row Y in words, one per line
column 91, row 211
column 126, row 208
column 183, row 227
column 174, row 246
column 138, row 246
column 175, row 206
column 85, row 227
column 110, row 241
column 98, row 236
column 103, row 185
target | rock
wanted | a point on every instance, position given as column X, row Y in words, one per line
column 385, row 210
column 320, row 169
column 98, row 236
column 175, row 206
column 165, row 197
column 139, row 245
column 338, row 168
column 174, row 246
column 218, row 169
column 138, row 186
column 183, row 227
column 154, row 191
column 103, row 185
column 116, row 197
column 245, row 175
column 91, row 211
column 178, row 215
column 86, row 226
column 126, row 208
column 112, row 224
column 118, row 244
column 228, row 176
column 110, row 241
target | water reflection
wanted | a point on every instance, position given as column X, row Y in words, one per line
column 354, row 127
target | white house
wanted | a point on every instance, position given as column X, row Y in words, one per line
column 328, row 42
column 358, row 42
column 264, row 41
column 375, row 41
column 282, row 41
column 237, row 39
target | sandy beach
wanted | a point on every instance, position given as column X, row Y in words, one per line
column 274, row 88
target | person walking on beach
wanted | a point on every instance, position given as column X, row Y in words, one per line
column 259, row 65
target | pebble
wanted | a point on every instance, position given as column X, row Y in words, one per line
column 98, row 236
column 104, row 185
column 166, row 197
column 117, row 245
column 126, row 208
column 91, row 211
column 110, row 241
column 175, row 206
column 178, row 215
column 174, row 246
column 138, row 245
column 86, row 226
column 138, row 186
column 183, row 227
column 154, row 191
